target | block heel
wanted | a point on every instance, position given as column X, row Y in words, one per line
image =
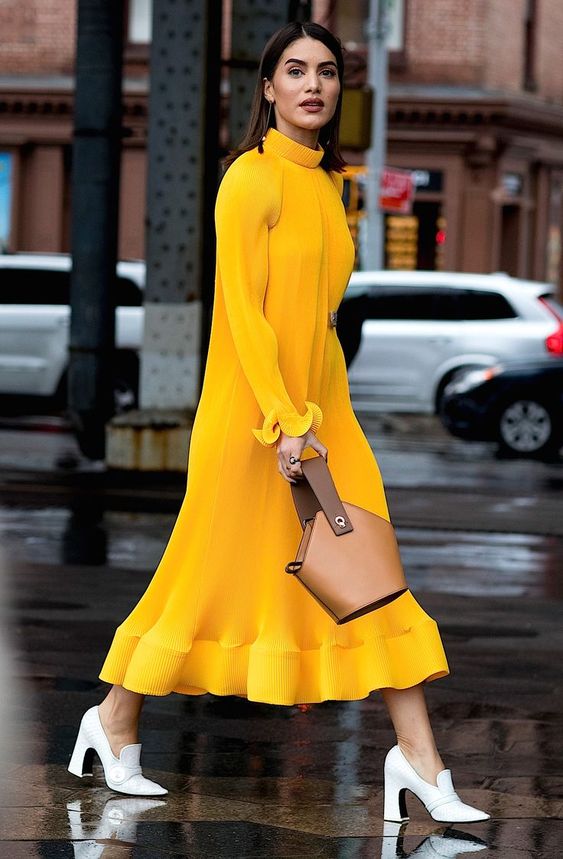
column 122, row 774
column 82, row 760
column 395, row 804
column 441, row 800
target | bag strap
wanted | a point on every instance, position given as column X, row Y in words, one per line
column 316, row 491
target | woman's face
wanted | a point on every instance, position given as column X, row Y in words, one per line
column 304, row 90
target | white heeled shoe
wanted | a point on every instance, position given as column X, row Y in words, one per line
column 441, row 801
column 122, row 774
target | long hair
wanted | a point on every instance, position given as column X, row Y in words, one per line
column 258, row 123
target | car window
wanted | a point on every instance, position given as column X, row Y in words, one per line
column 441, row 304
column 33, row 286
column 128, row 293
column 447, row 305
column 412, row 303
column 43, row 286
column 478, row 304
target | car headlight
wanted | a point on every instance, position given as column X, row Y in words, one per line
column 471, row 379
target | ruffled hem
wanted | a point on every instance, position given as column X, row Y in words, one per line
column 290, row 423
column 330, row 672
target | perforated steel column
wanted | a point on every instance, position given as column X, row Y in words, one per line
column 253, row 23
column 171, row 349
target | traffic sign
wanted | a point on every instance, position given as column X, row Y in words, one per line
column 396, row 191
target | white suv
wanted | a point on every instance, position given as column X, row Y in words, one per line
column 35, row 322
column 406, row 334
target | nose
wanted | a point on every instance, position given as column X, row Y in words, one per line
column 314, row 83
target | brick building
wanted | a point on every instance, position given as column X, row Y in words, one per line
column 475, row 108
column 36, row 98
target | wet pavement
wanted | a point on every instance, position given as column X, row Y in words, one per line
column 257, row 780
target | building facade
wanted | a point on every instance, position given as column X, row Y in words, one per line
column 479, row 106
column 475, row 110
column 37, row 53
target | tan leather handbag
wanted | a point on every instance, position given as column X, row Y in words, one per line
column 348, row 558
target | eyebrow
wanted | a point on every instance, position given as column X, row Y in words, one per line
column 303, row 63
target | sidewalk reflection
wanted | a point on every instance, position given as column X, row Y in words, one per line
column 12, row 698
column 117, row 823
column 443, row 845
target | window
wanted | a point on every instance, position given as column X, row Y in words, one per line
column 396, row 18
column 405, row 303
column 447, row 306
column 128, row 293
column 139, row 29
column 439, row 305
column 484, row 305
column 46, row 286
column 5, row 199
column 34, row 286
column 530, row 28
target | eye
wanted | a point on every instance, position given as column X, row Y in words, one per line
column 294, row 69
column 331, row 72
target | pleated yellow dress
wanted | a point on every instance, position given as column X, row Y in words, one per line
column 220, row 614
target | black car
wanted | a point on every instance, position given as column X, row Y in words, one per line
column 518, row 404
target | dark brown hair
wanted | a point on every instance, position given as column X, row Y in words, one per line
column 258, row 122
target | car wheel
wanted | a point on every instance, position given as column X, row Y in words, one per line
column 526, row 427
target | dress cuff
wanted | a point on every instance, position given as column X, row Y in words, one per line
column 290, row 423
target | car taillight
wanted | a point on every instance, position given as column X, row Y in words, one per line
column 553, row 342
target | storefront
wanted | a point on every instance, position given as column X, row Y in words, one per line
column 489, row 185
column 418, row 240
column 488, row 168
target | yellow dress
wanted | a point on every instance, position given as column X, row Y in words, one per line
column 220, row 614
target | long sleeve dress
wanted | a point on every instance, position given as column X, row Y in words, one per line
column 220, row 614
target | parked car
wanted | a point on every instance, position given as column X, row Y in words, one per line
column 519, row 404
column 35, row 322
column 407, row 334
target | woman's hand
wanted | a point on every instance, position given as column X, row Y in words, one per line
column 293, row 446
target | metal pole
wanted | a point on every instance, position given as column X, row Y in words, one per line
column 95, row 193
column 372, row 236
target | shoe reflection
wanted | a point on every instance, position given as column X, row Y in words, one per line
column 445, row 845
column 117, row 822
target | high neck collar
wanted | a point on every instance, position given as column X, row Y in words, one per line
column 284, row 146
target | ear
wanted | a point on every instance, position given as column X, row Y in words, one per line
column 267, row 89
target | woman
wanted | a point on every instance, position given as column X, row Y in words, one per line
column 220, row 615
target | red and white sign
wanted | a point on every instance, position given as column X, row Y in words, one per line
column 396, row 191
